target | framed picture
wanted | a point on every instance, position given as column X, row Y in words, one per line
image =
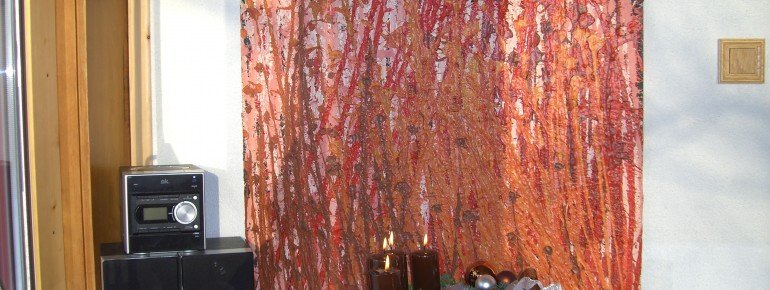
column 741, row 61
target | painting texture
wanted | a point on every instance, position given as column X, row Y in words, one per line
column 509, row 131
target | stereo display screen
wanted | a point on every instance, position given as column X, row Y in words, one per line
column 155, row 213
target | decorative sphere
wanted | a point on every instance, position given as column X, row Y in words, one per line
column 505, row 277
column 485, row 282
column 477, row 269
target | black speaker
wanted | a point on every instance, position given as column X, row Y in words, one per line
column 228, row 263
column 152, row 272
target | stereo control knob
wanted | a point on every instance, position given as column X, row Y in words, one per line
column 185, row 212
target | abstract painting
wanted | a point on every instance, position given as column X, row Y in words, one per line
column 509, row 131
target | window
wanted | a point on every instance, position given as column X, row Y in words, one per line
column 14, row 238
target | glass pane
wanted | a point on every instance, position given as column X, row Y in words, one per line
column 14, row 256
column 5, row 217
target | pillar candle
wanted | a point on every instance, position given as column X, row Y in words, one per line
column 398, row 258
column 424, row 265
column 397, row 261
column 385, row 278
column 377, row 260
column 425, row 274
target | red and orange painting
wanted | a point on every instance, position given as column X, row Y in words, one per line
column 508, row 130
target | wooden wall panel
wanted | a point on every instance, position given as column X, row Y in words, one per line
column 43, row 124
column 73, row 142
column 79, row 133
column 108, row 112
column 139, row 82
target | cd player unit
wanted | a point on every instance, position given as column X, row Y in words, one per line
column 162, row 208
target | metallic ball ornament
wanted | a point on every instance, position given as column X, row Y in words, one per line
column 505, row 277
column 486, row 282
column 477, row 269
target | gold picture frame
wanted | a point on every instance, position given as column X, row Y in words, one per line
column 742, row 61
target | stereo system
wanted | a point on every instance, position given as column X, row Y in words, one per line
column 164, row 241
column 162, row 208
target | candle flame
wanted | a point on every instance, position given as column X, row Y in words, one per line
column 387, row 263
column 390, row 240
column 425, row 240
column 384, row 244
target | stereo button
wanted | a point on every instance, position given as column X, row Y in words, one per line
column 185, row 212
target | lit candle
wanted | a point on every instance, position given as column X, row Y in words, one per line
column 377, row 260
column 424, row 262
column 386, row 278
column 399, row 261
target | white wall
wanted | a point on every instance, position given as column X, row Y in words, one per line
column 707, row 165
column 197, row 100
column 707, row 151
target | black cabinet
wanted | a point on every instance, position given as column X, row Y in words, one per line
column 227, row 264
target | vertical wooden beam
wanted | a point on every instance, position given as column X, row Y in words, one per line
column 43, row 143
column 85, row 213
column 107, row 31
column 74, row 143
column 139, row 81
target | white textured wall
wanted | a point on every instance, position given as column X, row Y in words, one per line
column 707, row 146
column 706, row 151
column 197, row 100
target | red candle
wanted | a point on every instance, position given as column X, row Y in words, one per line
column 424, row 262
column 386, row 278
